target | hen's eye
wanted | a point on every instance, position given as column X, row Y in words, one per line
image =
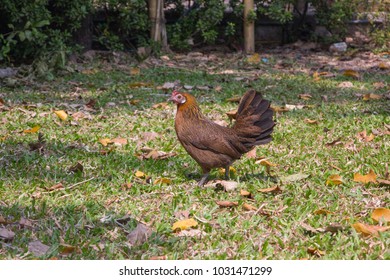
column 179, row 97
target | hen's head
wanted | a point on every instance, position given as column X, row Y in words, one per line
column 181, row 98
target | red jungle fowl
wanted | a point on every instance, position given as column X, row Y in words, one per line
column 212, row 145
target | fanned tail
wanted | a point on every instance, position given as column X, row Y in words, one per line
column 254, row 122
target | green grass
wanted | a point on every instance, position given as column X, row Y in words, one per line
column 85, row 215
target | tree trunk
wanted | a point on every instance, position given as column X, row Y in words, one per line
column 158, row 31
column 83, row 35
column 249, row 28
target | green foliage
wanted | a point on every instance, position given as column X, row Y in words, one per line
column 275, row 10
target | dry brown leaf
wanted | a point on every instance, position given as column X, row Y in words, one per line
column 139, row 235
column 235, row 99
column 35, row 129
column 226, row 203
column 161, row 181
column 140, row 174
column 309, row 121
column 334, row 179
column 61, row 114
column 119, row 141
column 6, row 234
column 381, row 214
column 383, row 182
column 184, row 224
column 158, row 258
column 149, row 135
column 383, row 66
column 345, row 85
column 191, row 233
column 322, row 212
column 232, row 114
column 370, row 177
column 371, row 96
column 157, row 155
column 369, row 230
column 58, row 186
column 78, row 167
column 364, row 137
column 265, row 162
column 139, row 84
column 2, row 220
column 251, row 153
column 334, row 142
column 278, row 109
column 315, row 252
column 254, row 58
column 162, row 105
column 37, row 248
column 305, row 96
column 245, row 193
column 248, row 207
column 135, row 71
column 228, row 186
column 105, row 141
column 67, row 249
column 351, row 73
column 273, row 189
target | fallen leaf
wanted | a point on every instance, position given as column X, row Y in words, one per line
column 25, row 223
column 149, row 135
column 294, row 177
column 371, row 96
column 345, row 85
column 278, row 109
column 309, row 121
column 184, row 224
column 218, row 88
column 77, row 168
column 37, row 248
column 315, row 252
column 334, row 142
column 232, row 114
column 162, row 105
column 105, row 141
column 322, row 212
column 162, row 181
column 273, row 189
column 245, row 193
column 383, row 66
column 158, row 258
column 369, row 230
column 370, row 177
column 6, row 234
column 305, row 96
column 169, row 85
column 158, row 155
column 58, row 186
column 383, row 182
column 251, row 153
column 235, row 99
column 248, row 207
column 184, row 214
column 334, row 228
column 191, row 233
column 381, row 214
column 379, row 85
column 139, row 84
column 61, row 114
column 334, row 179
column 140, row 174
column 254, row 58
column 66, row 249
column 2, row 220
column 226, row 203
column 135, row 71
column 139, row 235
column 119, row 141
column 351, row 73
column 265, row 162
column 364, row 137
column 291, row 107
column 35, row 129
column 309, row 229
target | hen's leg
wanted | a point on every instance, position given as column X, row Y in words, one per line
column 227, row 172
column 204, row 179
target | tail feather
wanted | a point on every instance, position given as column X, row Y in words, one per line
column 254, row 122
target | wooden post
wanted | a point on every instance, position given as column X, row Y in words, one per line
column 249, row 28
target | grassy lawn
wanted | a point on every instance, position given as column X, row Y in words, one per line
column 101, row 201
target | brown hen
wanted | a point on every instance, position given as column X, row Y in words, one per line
column 212, row 145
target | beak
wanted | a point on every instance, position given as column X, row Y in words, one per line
column 170, row 99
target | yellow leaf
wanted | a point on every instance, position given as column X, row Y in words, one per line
column 162, row 181
column 372, row 96
column 255, row 58
column 265, row 162
column 334, row 179
column 273, row 189
column 309, row 121
column 383, row 66
column 32, row 130
column 184, row 224
column 61, row 114
column 381, row 214
column 135, row 71
column 305, row 96
column 370, row 177
column 245, row 193
column 322, row 212
column 140, row 174
column 369, row 229
column 105, row 141
column 279, row 109
column 234, row 99
column 139, row 84
column 351, row 73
